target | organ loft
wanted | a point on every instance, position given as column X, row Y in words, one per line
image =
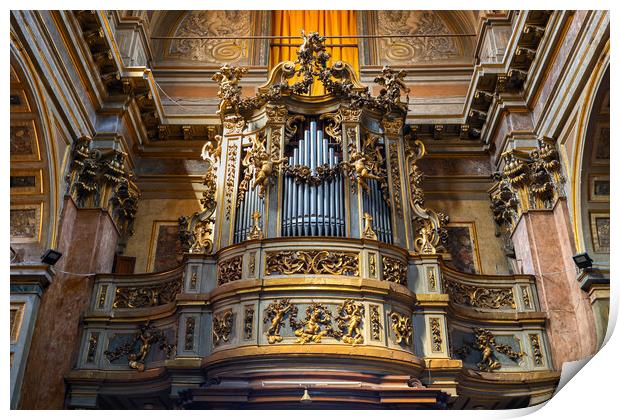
column 322, row 234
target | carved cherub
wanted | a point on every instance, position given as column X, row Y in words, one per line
column 277, row 311
column 351, row 322
column 212, row 149
column 363, row 170
column 311, row 331
column 263, row 169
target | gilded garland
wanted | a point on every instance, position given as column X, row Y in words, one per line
column 312, row 262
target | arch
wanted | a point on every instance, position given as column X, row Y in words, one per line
column 583, row 145
column 35, row 177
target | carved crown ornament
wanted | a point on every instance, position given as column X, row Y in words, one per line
column 528, row 180
column 100, row 178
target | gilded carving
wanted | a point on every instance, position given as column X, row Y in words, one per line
column 145, row 338
column 274, row 316
column 100, row 178
column 349, row 320
column 372, row 264
column 333, row 127
column 248, row 322
column 230, row 177
column 92, row 347
column 190, row 326
column 528, row 181
column 436, row 339
column 255, row 231
column 222, row 326
column 196, row 232
column 480, row 297
column 229, row 270
column 375, row 323
column 394, row 270
column 395, row 170
column 252, row 264
column 368, row 232
column 193, row 281
column 292, row 124
column 276, row 114
column 526, row 296
column 429, row 225
column 103, row 293
column 312, row 262
column 432, row 280
column 401, row 325
column 536, row 351
column 316, row 325
column 485, row 343
column 261, row 165
column 147, row 296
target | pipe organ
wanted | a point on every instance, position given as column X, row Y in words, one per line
column 315, row 246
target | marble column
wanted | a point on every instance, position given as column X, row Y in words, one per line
column 87, row 240
column 544, row 246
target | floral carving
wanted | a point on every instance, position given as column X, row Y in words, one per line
column 312, row 262
column 147, row 296
column 229, row 270
column 401, row 325
column 480, row 297
column 222, row 326
column 144, row 339
column 484, row 342
column 394, row 270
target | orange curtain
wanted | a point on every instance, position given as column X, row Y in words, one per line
column 326, row 23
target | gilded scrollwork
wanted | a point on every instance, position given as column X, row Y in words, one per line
column 395, row 170
column 196, row 232
column 436, row 339
column 333, row 127
column 536, row 350
column 480, row 297
column 147, row 296
column 402, row 327
column 260, row 165
column 248, row 322
column 93, row 340
column 144, row 339
column 372, row 264
column 349, row 319
column 316, row 325
column 375, row 323
column 222, row 326
column 274, row 316
column 190, row 326
column 312, row 262
column 229, row 270
column 486, row 344
column 103, row 294
column 230, row 177
column 394, row 270
column 429, row 225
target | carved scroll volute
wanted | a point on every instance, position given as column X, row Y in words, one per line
column 429, row 225
column 517, row 171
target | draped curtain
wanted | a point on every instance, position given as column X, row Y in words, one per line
column 326, row 23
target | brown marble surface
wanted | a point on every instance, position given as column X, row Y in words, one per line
column 544, row 247
column 87, row 241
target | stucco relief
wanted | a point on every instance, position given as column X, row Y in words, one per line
column 412, row 22
column 221, row 23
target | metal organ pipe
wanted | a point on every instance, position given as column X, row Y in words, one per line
column 311, row 209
